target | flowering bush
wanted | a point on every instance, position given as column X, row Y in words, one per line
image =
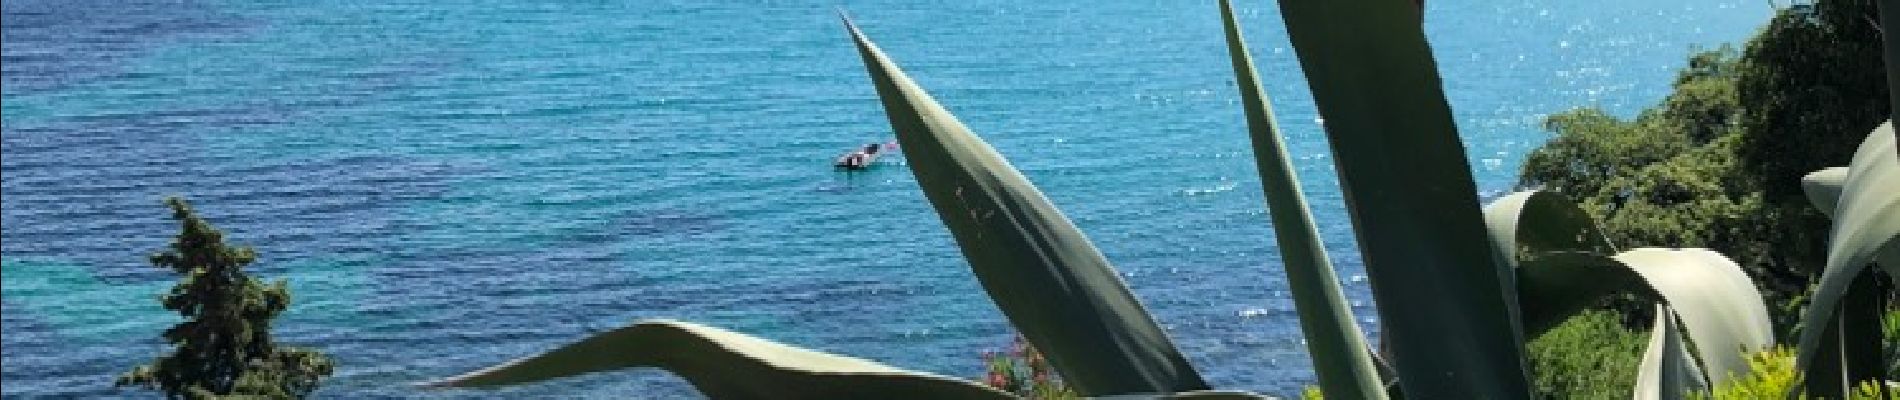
column 1772, row 374
column 1023, row 371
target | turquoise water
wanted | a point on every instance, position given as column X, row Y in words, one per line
column 453, row 184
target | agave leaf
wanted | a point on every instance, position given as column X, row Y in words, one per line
column 1824, row 188
column 1339, row 352
column 1528, row 223
column 1866, row 224
column 1717, row 303
column 1040, row 270
column 1720, row 308
column 726, row 365
column 1563, row 265
column 1667, row 371
column 1445, row 300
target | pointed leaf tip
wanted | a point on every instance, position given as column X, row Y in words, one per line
column 846, row 17
column 1042, row 272
column 1340, row 356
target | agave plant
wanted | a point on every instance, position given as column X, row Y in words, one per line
column 1458, row 287
column 1840, row 344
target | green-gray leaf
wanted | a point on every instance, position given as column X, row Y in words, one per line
column 726, row 365
column 1526, row 224
column 1444, row 300
column 1719, row 306
column 1340, row 356
column 1824, row 188
column 1564, row 264
column 1667, row 371
column 1866, row 224
column 1040, row 270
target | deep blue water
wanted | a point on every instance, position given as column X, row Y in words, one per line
column 454, row 184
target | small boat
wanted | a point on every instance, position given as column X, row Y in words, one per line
column 859, row 159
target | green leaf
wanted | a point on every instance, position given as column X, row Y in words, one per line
column 724, row 364
column 1866, row 224
column 1564, row 265
column 1338, row 349
column 1526, row 224
column 1667, row 371
column 1040, row 270
column 1824, row 188
column 1443, row 298
column 1719, row 306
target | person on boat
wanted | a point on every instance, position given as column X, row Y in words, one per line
column 871, row 148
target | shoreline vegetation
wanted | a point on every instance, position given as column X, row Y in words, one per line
column 1718, row 163
column 1532, row 295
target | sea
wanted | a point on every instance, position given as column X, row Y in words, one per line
column 447, row 185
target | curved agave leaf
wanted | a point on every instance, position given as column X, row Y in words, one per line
column 1868, row 212
column 1042, row 272
column 1563, row 266
column 1866, row 225
column 1339, row 352
column 1667, row 371
column 1720, row 307
column 1526, row 224
column 1444, row 299
column 726, row 365
column 1824, row 188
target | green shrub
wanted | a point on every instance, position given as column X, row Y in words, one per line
column 1591, row 356
column 1312, row 393
column 1773, row 376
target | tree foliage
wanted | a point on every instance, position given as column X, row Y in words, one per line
column 224, row 346
column 1814, row 83
column 1718, row 162
column 1605, row 370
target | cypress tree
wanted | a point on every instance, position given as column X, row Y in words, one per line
column 224, row 346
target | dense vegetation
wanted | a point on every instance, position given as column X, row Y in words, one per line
column 1592, row 356
column 1718, row 164
column 224, row 346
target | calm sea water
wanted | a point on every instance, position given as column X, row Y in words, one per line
column 453, row 184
